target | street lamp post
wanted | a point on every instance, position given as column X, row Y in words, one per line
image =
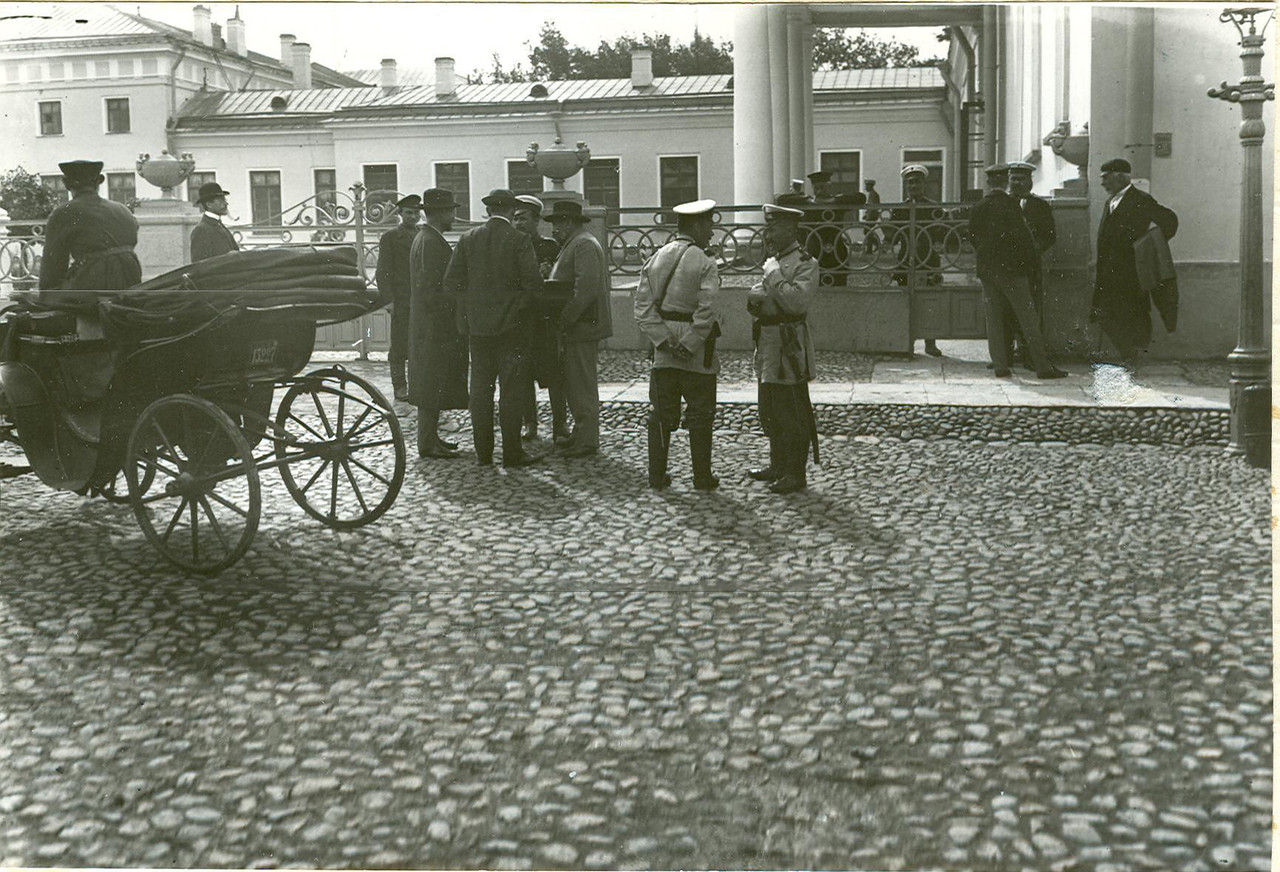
column 1251, row 359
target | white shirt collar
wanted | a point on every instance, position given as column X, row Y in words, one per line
column 1115, row 201
column 214, row 215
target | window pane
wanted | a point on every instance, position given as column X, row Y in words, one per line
column 456, row 178
column 930, row 159
column 679, row 180
column 381, row 187
column 118, row 115
column 121, row 187
column 601, row 183
column 264, row 195
column 58, row 186
column 522, row 178
column 51, row 118
column 845, row 168
column 326, row 183
column 194, row 181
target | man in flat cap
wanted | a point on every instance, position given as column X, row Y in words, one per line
column 783, row 358
column 1039, row 216
column 1120, row 304
column 1006, row 255
column 494, row 274
column 437, row 353
column 96, row 236
column 925, row 256
column 392, row 277
column 675, row 307
column 545, row 359
column 585, row 320
column 211, row 237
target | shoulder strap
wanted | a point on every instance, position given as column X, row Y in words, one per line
column 662, row 295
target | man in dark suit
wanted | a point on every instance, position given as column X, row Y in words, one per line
column 392, row 277
column 1006, row 255
column 95, row 236
column 545, row 363
column 494, row 275
column 1039, row 217
column 437, row 354
column 1120, row 304
column 211, row 237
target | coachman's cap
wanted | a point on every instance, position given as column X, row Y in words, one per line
column 570, row 209
column 781, row 213
column 499, row 198
column 412, row 201
column 528, row 202
column 437, row 198
column 819, row 177
column 209, row 190
column 696, row 207
column 81, row 170
column 915, row 170
column 1117, row 165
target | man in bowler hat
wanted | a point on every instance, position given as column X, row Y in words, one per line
column 211, row 237
column 494, row 275
column 95, row 236
column 392, row 277
column 1120, row 304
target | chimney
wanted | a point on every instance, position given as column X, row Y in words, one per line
column 641, row 67
column 203, row 29
column 388, row 74
column 301, row 65
column 286, row 49
column 446, row 84
column 236, row 43
column 218, row 41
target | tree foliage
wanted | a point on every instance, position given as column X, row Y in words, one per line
column 837, row 48
column 24, row 196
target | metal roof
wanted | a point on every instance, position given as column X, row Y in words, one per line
column 406, row 77
column 312, row 101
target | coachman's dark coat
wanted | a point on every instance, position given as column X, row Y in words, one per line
column 99, row 236
column 437, row 354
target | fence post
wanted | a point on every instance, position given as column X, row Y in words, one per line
column 357, row 198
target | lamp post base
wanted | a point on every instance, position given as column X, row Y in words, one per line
column 1251, row 405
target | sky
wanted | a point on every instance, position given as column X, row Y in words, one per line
column 349, row 36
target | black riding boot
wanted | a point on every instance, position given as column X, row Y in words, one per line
column 659, row 443
column 700, row 458
column 776, row 465
column 793, row 479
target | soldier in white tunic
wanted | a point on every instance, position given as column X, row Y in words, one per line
column 675, row 307
column 779, row 303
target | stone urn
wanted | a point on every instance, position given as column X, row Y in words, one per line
column 166, row 171
column 558, row 162
column 1071, row 147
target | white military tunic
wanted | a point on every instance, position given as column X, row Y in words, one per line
column 692, row 290
column 780, row 301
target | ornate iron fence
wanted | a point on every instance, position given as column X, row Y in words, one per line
column 855, row 245
column 21, row 247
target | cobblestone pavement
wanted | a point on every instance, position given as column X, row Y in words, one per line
column 946, row 654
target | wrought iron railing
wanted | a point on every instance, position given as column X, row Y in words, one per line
column 855, row 245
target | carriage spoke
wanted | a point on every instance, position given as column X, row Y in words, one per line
column 155, row 464
column 342, row 406
column 195, row 532
column 173, row 522
column 351, row 434
column 213, row 522
column 230, row 505
column 324, row 416
column 155, row 422
column 359, row 495
column 319, row 472
column 377, row 444
column 379, row 476
column 355, row 426
column 308, row 427
column 333, row 494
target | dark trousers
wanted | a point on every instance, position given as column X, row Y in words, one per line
column 1006, row 292
column 667, row 387
column 785, row 421
column 1014, row 337
column 398, row 353
column 500, row 360
column 582, row 389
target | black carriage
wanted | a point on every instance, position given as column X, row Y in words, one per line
column 171, row 392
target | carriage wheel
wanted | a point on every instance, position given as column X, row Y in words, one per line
column 116, row 492
column 346, row 463
column 193, row 483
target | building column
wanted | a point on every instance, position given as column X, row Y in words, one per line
column 752, row 107
column 806, row 85
column 1139, row 89
column 801, row 136
column 779, row 97
column 990, row 59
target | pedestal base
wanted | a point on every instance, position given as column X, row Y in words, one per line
column 164, row 235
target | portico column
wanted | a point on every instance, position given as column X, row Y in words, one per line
column 752, row 109
column 801, row 136
column 779, row 96
column 806, row 83
column 1139, row 104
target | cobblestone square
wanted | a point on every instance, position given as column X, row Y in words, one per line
column 946, row 654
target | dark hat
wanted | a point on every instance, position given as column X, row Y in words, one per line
column 819, row 176
column 81, row 171
column 870, row 183
column 437, row 198
column 412, row 201
column 1117, row 165
column 1021, row 166
column 998, row 169
column 567, row 209
column 500, row 197
column 791, row 198
column 209, row 190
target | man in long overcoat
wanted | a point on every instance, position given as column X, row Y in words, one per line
column 211, row 237
column 1119, row 303
column 437, row 354
column 392, row 277
column 494, row 275
column 97, row 236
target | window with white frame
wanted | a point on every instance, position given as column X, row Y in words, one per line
column 264, row 196
column 58, row 186
column 50, row 117
column 678, row 180
column 122, row 187
column 326, row 188
column 194, row 181
column 522, row 178
column 456, row 178
column 601, row 183
column 846, row 170
column 381, row 185
column 932, row 160
column 117, row 114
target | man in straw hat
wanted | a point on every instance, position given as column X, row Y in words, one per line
column 392, row 277
column 96, row 236
column 437, row 354
column 784, row 351
column 675, row 307
column 494, row 274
